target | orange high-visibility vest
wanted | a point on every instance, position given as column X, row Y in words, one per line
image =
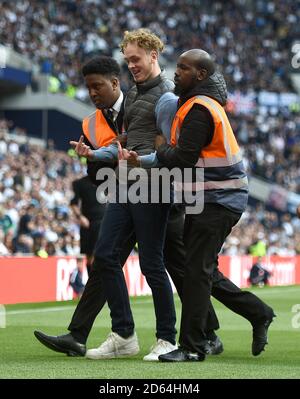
column 97, row 130
column 223, row 151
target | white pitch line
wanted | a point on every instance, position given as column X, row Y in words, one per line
column 57, row 309
column 41, row 310
column 276, row 291
column 272, row 291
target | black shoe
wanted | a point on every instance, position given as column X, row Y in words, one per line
column 260, row 337
column 181, row 355
column 61, row 343
column 214, row 347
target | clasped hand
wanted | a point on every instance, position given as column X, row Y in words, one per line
column 131, row 157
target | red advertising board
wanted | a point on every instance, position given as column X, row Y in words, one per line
column 32, row 279
column 27, row 279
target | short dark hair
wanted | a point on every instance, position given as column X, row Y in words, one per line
column 102, row 65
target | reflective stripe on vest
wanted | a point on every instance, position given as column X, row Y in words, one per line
column 212, row 185
column 97, row 130
column 223, row 151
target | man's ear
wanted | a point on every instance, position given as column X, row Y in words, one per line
column 115, row 83
column 154, row 55
column 202, row 74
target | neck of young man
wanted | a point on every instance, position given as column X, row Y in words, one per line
column 156, row 71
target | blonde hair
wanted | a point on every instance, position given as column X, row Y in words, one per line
column 143, row 38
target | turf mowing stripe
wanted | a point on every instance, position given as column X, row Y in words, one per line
column 275, row 291
column 58, row 308
column 271, row 290
column 41, row 310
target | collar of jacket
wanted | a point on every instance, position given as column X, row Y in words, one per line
column 149, row 84
column 214, row 86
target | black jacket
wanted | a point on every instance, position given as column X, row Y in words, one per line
column 85, row 197
column 197, row 128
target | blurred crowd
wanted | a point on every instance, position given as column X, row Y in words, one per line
column 263, row 232
column 35, row 191
column 35, row 216
column 271, row 146
column 250, row 39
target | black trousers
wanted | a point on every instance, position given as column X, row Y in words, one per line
column 148, row 221
column 93, row 298
column 174, row 258
column 204, row 235
column 88, row 237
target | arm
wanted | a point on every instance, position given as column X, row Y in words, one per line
column 92, row 166
column 105, row 154
column 196, row 132
column 149, row 161
column 74, row 203
column 144, row 161
column 136, row 161
column 82, row 220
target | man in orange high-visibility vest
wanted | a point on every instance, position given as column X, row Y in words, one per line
column 102, row 73
column 202, row 139
column 100, row 128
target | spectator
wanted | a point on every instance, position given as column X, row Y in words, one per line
column 258, row 274
column 259, row 247
column 76, row 278
column 3, row 249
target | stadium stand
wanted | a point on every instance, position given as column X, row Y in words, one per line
column 35, row 190
column 251, row 40
column 51, row 33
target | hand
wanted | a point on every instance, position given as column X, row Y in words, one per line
column 82, row 149
column 121, row 138
column 130, row 156
column 159, row 140
column 84, row 222
column 134, row 160
column 123, row 154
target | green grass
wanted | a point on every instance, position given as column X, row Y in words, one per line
column 22, row 356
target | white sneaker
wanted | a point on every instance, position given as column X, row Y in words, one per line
column 115, row 346
column 160, row 348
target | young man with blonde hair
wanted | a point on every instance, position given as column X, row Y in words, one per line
column 141, row 50
column 99, row 73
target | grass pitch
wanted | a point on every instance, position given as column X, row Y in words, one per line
column 22, row 356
